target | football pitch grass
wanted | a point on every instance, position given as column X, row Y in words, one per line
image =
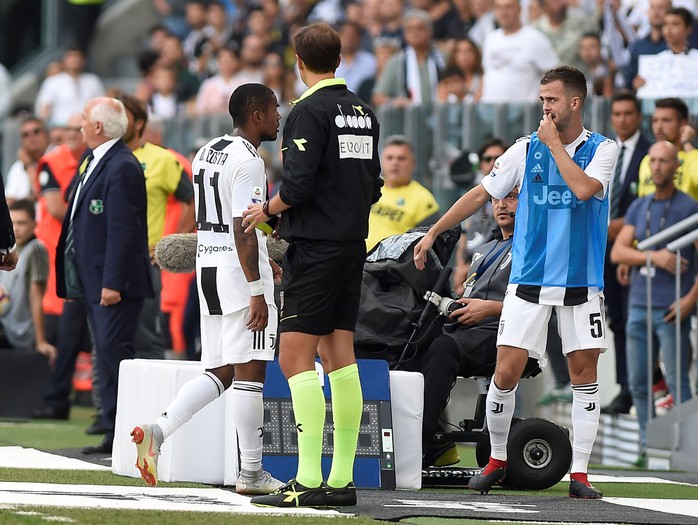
column 55, row 435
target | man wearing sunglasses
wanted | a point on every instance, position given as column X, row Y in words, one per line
column 21, row 179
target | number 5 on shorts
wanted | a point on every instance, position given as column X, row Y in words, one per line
column 595, row 322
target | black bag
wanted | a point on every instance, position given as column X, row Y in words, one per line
column 392, row 292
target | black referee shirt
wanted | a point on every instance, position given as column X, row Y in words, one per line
column 331, row 166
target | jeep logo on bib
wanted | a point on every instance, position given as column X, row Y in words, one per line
column 556, row 197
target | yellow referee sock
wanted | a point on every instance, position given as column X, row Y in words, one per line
column 347, row 406
column 309, row 411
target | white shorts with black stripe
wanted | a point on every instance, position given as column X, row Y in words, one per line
column 525, row 325
column 225, row 340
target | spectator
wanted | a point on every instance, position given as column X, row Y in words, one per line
column 444, row 18
column 65, row 93
column 670, row 123
column 676, row 30
column 483, row 21
column 147, row 61
column 404, row 202
column 156, row 38
column 21, row 179
column 626, row 119
column 652, row 44
column 390, row 15
column 23, row 323
column 646, row 217
column 252, row 53
column 564, row 29
column 56, row 169
column 514, row 57
column 594, row 67
column 173, row 16
column 196, row 39
column 616, row 37
column 164, row 101
column 451, row 88
column 477, row 230
column 172, row 56
column 411, row 76
column 276, row 78
column 215, row 91
column 466, row 56
column 383, row 49
column 356, row 64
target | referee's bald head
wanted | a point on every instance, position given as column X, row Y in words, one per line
column 573, row 80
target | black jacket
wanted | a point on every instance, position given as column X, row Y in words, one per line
column 331, row 165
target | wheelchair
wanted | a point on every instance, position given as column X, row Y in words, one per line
column 402, row 310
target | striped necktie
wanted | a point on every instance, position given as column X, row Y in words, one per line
column 69, row 240
column 615, row 188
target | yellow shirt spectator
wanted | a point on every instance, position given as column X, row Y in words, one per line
column 686, row 178
column 404, row 203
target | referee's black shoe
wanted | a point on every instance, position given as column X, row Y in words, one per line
column 340, row 497
column 293, row 494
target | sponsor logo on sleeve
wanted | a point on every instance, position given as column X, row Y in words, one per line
column 257, row 194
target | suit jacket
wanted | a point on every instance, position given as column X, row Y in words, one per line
column 109, row 230
column 627, row 196
column 7, row 233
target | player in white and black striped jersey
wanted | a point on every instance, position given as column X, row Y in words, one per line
column 236, row 290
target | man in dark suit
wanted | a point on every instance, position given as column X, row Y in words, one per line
column 102, row 253
column 626, row 119
column 8, row 249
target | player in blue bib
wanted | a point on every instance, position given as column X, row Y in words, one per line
column 562, row 172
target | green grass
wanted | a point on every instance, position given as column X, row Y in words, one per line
column 46, row 434
column 53, row 435
column 129, row 517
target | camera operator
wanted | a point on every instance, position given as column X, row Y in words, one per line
column 469, row 341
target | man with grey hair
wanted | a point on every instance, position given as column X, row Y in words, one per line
column 102, row 253
column 404, row 202
column 411, row 76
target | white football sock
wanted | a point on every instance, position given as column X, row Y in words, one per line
column 191, row 398
column 248, row 417
column 499, row 409
column 586, row 409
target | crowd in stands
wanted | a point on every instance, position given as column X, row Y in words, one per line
column 394, row 52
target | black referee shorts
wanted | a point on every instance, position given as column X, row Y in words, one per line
column 321, row 286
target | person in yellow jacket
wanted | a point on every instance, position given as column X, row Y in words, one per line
column 670, row 123
column 404, row 202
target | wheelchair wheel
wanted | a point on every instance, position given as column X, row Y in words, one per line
column 482, row 448
column 539, row 453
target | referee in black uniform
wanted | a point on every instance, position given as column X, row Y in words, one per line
column 330, row 179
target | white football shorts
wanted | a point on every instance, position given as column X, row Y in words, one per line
column 225, row 340
column 525, row 325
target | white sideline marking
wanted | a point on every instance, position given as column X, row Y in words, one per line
column 684, row 507
column 137, row 498
column 20, row 457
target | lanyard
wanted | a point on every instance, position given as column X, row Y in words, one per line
column 487, row 261
column 662, row 221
